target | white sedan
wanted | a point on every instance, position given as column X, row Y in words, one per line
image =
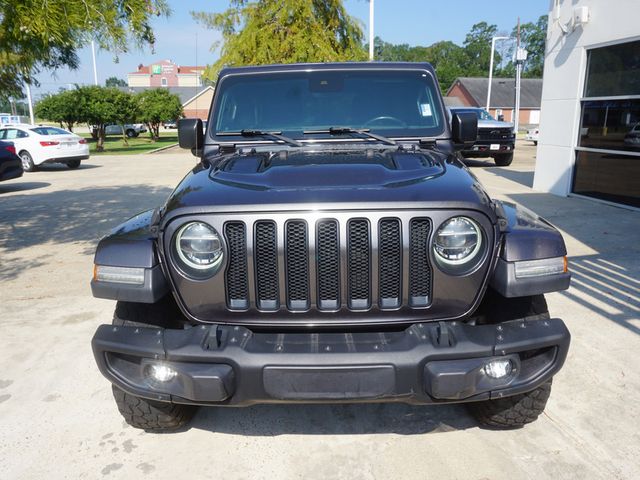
column 36, row 145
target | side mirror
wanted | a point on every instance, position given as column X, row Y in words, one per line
column 464, row 129
column 190, row 135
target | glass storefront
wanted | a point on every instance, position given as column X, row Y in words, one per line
column 608, row 151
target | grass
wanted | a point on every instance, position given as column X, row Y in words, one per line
column 114, row 144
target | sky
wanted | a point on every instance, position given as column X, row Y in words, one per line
column 185, row 42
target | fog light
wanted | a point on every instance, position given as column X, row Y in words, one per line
column 159, row 372
column 498, row 368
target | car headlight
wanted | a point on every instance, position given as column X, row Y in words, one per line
column 457, row 242
column 199, row 249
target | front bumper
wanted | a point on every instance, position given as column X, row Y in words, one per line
column 488, row 148
column 426, row 363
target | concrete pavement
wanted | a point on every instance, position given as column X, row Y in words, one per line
column 58, row 419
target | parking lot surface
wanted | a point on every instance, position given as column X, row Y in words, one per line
column 58, row 419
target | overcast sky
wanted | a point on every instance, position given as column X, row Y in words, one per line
column 416, row 22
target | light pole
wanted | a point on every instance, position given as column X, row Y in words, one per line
column 370, row 30
column 493, row 47
column 95, row 69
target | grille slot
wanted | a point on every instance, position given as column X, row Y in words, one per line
column 266, row 261
column 297, row 265
column 236, row 275
column 390, row 263
column 419, row 267
column 359, row 264
column 328, row 261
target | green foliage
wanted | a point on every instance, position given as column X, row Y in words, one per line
column 284, row 31
column 115, row 82
column 533, row 37
column 36, row 34
column 99, row 106
column 61, row 107
column 477, row 47
column 156, row 106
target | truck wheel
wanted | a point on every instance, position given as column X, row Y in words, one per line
column 503, row 160
column 27, row 162
column 512, row 412
column 141, row 412
column 131, row 133
column 149, row 415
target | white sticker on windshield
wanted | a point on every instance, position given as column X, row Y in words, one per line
column 425, row 109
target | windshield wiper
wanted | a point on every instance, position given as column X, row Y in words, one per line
column 261, row 133
column 346, row 130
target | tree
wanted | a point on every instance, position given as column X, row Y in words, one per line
column 284, row 31
column 477, row 47
column 449, row 60
column 100, row 106
column 61, row 107
column 533, row 37
column 36, row 35
column 115, row 82
column 156, row 106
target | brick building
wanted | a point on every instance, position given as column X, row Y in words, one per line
column 472, row 92
column 165, row 73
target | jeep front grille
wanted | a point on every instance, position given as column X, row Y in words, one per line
column 328, row 264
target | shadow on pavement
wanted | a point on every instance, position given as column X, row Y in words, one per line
column 523, row 178
column 69, row 216
column 59, row 167
column 604, row 287
column 351, row 419
column 20, row 186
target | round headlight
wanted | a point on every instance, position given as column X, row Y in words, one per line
column 199, row 247
column 457, row 241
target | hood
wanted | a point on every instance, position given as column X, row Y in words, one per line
column 295, row 179
column 494, row 124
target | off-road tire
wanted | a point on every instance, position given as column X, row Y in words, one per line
column 27, row 162
column 140, row 412
column 503, row 160
column 149, row 415
column 512, row 412
column 73, row 164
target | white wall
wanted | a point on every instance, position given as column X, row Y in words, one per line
column 611, row 21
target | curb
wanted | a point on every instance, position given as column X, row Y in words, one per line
column 161, row 149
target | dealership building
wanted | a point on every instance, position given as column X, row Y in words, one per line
column 590, row 111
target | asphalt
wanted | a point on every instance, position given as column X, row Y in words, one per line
column 58, row 419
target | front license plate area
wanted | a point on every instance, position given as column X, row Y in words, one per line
column 494, row 146
column 329, row 383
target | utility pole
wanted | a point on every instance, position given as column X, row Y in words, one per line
column 371, row 37
column 521, row 56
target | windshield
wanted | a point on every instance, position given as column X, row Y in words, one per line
column 50, row 131
column 479, row 112
column 392, row 103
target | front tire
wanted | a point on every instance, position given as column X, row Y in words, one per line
column 149, row 415
column 512, row 412
column 27, row 162
column 131, row 133
column 140, row 412
column 503, row 160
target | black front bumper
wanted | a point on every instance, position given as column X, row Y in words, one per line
column 426, row 363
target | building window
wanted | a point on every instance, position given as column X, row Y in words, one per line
column 163, row 82
column 608, row 148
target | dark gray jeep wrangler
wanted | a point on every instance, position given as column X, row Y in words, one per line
column 330, row 246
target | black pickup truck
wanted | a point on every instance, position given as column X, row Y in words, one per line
column 329, row 246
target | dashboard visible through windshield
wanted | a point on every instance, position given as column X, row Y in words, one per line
column 399, row 103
